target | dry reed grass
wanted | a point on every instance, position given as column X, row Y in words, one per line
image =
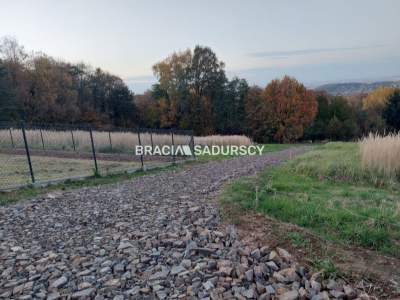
column 120, row 141
column 381, row 154
column 223, row 140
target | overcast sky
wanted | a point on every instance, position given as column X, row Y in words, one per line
column 316, row 41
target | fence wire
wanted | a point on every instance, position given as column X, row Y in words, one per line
column 59, row 152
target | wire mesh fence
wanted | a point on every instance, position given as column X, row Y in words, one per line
column 39, row 154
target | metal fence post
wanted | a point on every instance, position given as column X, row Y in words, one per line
column 93, row 151
column 192, row 145
column 12, row 139
column 140, row 143
column 109, row 138
column 73, row 140
column 41, row 137
column 173, row 146
column 27, row 153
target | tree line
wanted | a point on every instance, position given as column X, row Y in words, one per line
column 38, row 88
column 192, row 92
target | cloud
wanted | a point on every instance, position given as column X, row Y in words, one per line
column 287, row 53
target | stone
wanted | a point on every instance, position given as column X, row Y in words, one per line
column 83, row 293
column 256, row 254
column 289, row 275
column 133, row 291
column 349, row 292
column 337, row 294
column 284, row 254
column 364, row 296
column 161, row 294
column 211, row 265
column 84, row 285
column 177, row 269
column 225, row 270
column 53, row 296
column 124, row 245
column 59, row 282
column 272, row 265
column 321, row 296
column 159, row 275
column 332, row 285
column 208, row 285
column 291, row 295
column 249, row 293
column 105, row 270
column 17, row 249
column 260, row 288
column 186, row 263
column 258, row 272
column 270, row 290
column 249, row 275
column 315, row 285
column 119, row 268
column 115, row 282
column 204, row 251
column 273, row 255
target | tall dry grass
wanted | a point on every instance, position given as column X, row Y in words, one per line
column 381, row 154
column 223, row 140
column 120, row 141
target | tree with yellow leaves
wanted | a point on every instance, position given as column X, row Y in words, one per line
column 377, row 98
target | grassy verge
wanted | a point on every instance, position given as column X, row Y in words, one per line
column 327, row 191
column 267, row 149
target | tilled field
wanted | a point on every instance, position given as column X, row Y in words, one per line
column 156, row 237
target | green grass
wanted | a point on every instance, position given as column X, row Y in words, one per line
column 327, row 191
column 327, row 267
column 31, row 192
column 298, row 240
column 339, row 161
column 267, row 149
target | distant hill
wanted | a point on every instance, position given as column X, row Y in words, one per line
column 350, row 88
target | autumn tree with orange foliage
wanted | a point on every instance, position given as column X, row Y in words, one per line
column 281, row 111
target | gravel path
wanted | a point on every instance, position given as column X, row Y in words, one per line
column 156, row 237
